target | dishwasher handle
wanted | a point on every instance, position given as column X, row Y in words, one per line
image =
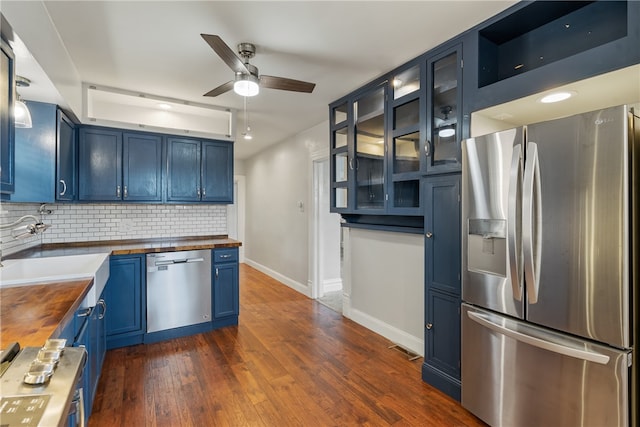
column 179, row 261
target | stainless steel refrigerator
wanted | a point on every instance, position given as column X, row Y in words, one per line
column 550, row 275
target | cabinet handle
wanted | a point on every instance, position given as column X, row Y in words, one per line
column 225, row 256
column 64, row 188
column 118, row 191
column 351, row 164
column 427, row 148
column 429, row 234
column 86, row 312
column 216, row 272
column 198, row 191
column 204, row 193
column 126, row 193
column 102, row 304
column 429, row 326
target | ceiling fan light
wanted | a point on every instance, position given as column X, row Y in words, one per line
column 246, row 85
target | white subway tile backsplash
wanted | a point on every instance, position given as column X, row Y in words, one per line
column 77, row 223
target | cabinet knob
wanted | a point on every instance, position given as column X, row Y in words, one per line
column 429, row 326
column 429, row 234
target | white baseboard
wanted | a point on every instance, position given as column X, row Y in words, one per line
column 391, row 333
column 305, row 290
column 332, row 285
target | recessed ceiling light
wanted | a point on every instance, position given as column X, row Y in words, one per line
column 164, row 106
column 556, row 97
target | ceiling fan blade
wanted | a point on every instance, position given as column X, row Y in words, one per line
column 224, row 51
column 226, row 87
column 283, row 83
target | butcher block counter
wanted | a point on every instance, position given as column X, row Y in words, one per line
column 128, row 247
column 32, row 313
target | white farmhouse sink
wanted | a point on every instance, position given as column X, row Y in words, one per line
column 30, row 271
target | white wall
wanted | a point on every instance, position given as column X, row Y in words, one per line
column 278, row 182
column 384, row 284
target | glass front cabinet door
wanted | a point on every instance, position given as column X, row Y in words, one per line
column 369, row 135
column 406, row 149
column 444, row 118
column 340, row 158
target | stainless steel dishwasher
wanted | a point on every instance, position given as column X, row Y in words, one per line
column 178, row 289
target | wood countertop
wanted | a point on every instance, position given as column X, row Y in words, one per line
column 31, row 314
column 128, row 247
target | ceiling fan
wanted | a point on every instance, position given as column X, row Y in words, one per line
column 248, row 81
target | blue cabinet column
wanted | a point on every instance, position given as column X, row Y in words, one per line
column 441, row 366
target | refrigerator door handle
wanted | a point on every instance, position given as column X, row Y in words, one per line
column 531, row 225
column 589, row 356
column 512, row 229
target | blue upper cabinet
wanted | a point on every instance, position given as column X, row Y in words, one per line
column 341, row 155
column 183, row 174
column 406, row 159
column 66, row 160
column 7, row 142
column 217, row 172
column 35, row 156
column 369, row 151
column 117, row 166
column 199, row 171
column 100, row 169
column 444, row 112
column 534, row 46
column 141, row 167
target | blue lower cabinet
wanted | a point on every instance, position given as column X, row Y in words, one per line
column 441, row 366
column 90, row 334
column 225, row 282
column 125, row 299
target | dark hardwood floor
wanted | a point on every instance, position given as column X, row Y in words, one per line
column 290, row 362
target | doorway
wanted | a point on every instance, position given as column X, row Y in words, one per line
column 236, row 215
column 327, row 259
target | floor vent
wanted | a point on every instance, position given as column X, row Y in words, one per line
column 411, row 356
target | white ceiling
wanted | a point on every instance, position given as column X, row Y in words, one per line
column 155, row 47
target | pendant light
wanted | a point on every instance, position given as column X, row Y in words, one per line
column 22, row 116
